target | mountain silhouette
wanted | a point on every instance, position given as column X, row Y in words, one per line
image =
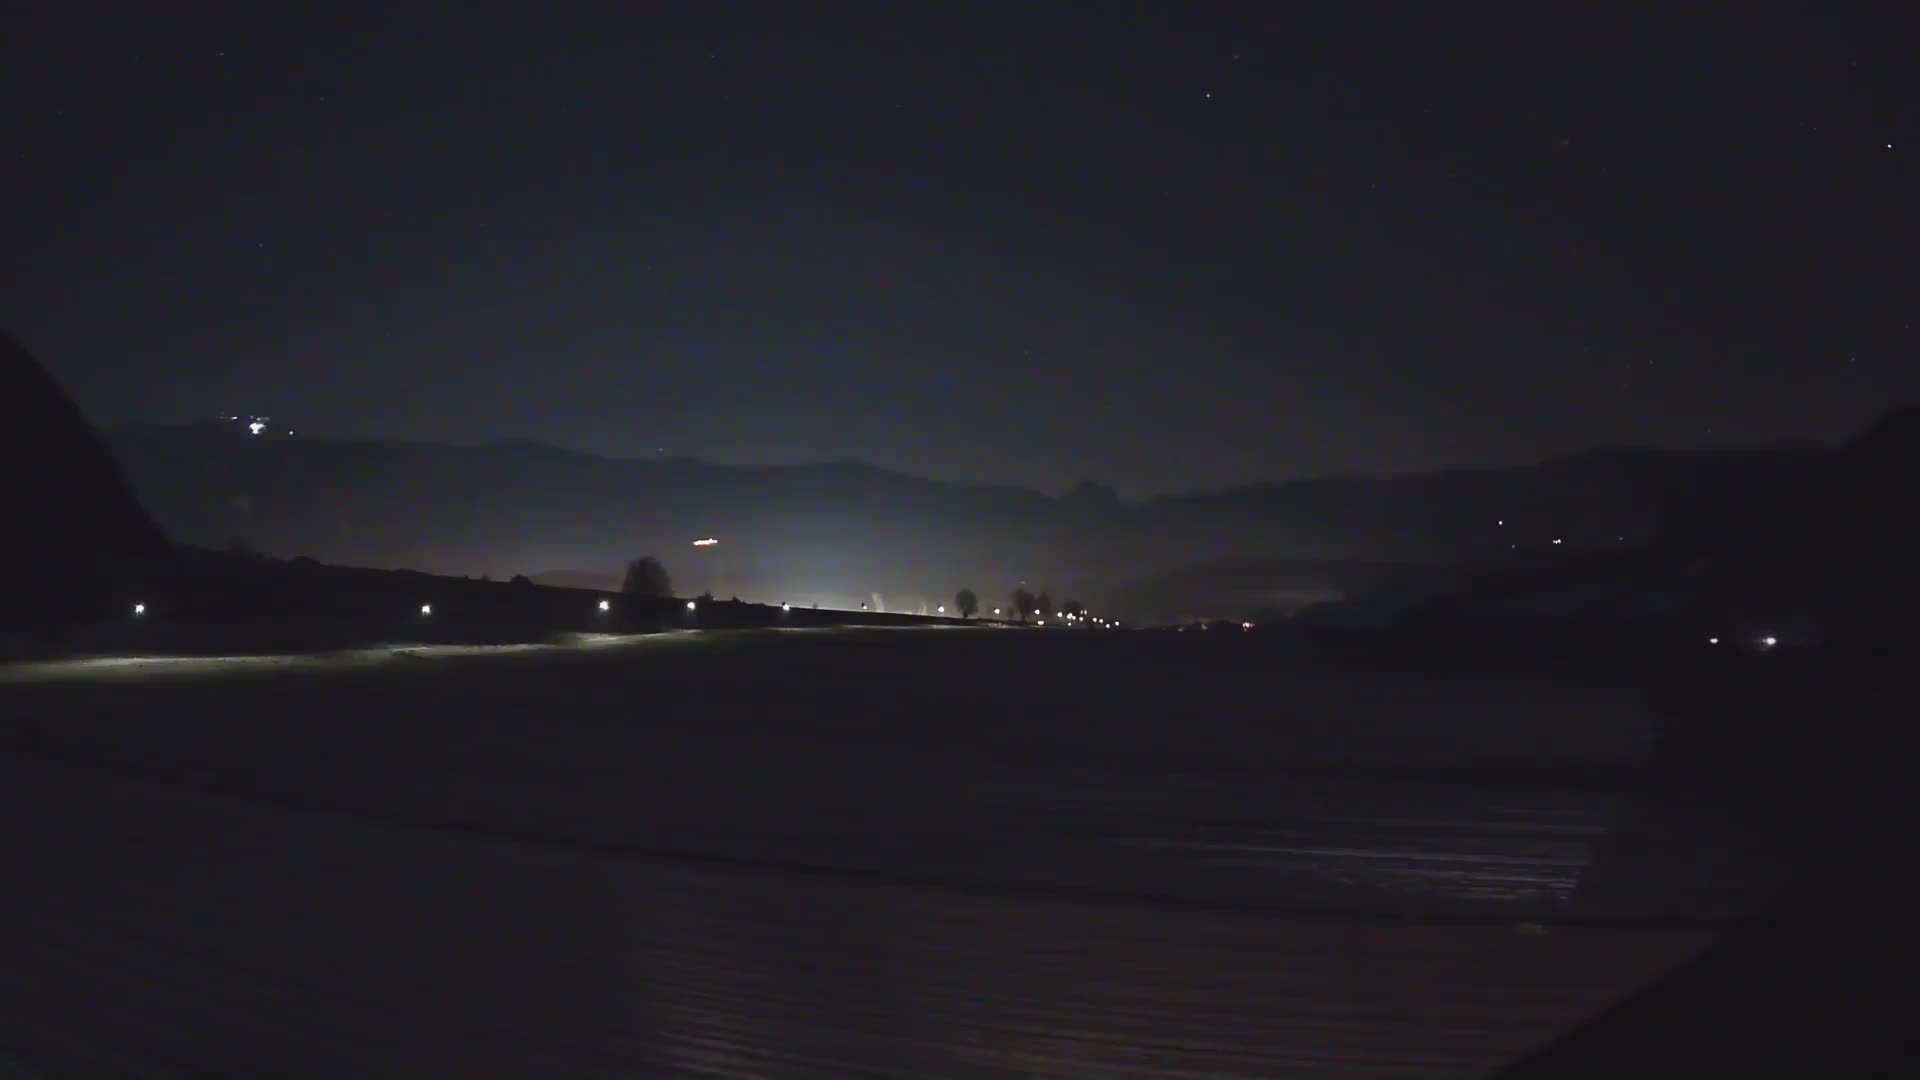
column 63, row 486
column 1837, row 544
column 841, row 532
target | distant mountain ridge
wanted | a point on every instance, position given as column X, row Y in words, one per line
column 842, row 532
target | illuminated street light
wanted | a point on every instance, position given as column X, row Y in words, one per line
column 1043, row 622
column 941, row 610
column 691, row 605
column 705, row 541
column 139, row 610
column 606, row 605
column 996, row 612
column 1769, row 641
column 1246, row 626
column 426, row 609
column 1713, row 641
column 786, row 607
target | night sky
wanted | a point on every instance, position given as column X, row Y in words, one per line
column 1166, row 246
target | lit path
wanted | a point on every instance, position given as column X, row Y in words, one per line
column 174, row 933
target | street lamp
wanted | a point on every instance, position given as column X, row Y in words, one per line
column 139, row 610
column 426, row 609
column 691, row 605
column 606, row 605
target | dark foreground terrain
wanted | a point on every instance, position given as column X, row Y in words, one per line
column 831, row 853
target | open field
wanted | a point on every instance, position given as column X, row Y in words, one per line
column 926, row 852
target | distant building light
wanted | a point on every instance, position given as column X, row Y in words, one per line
column 786, row 607
column 1557, row 541
column 1502, row 523
column 996, row 611
column 256, row 427
column 606, row 605
column 1246, row 626
column 1769, row 641
column 1713, row 641
column 1043, row 622
column 139, row 609
column 691, row 605
column 426, row 609
column 705, row 541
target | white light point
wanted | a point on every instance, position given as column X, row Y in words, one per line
column 606, row 605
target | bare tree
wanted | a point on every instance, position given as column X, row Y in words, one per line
column 966, row 603
column 647, row 577
column 1023, row 603
column 1045, row 604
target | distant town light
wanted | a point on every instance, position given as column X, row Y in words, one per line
column 1713, row 641
column 606, row 605
column 1557, row 540
column 426, row 609
column 705, row 541
column 786, row 607
column 1246, row 626
column 996, row 611
column 1769, row 641
column 139, row 609
column 941, row 610
column 1043, row 622
column 691, row 605
column 256, row 427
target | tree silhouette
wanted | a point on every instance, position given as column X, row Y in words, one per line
column 1023, row 603
column 646, row 577
column 1045, row 603
column 967, row 603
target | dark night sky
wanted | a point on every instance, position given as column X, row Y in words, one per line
column 1163, row 245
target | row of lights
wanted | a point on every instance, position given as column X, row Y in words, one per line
column 1766, row 642
column 140, row 610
